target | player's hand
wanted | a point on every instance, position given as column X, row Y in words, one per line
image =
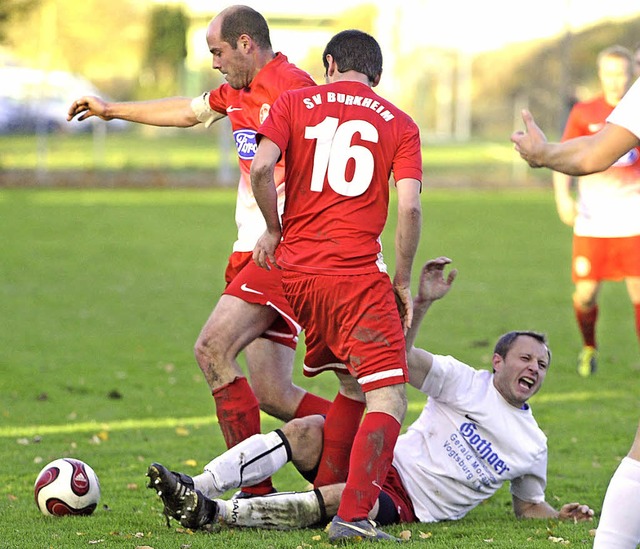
column 264, row 253
column 404, row 304
column 87, row 106
column 530, row 143
column 576, row 512
column 433, row 285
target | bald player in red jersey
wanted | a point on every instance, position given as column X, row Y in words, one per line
column 252, row 314
column 341, row 143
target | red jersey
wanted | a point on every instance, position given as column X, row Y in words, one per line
column 609, row 201
column 341, row 142
column 247, row 109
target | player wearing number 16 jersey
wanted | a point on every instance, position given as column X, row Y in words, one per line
column 341, row 143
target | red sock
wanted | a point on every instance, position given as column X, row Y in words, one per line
column 636, row 308
column 587, row 323
column 370, row 460
column 312, row 404
column 340, row 429
column 238, row 414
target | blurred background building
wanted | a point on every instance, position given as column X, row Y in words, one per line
column 461, row 69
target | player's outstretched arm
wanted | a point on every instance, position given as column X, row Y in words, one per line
column 170, row 111
column 578, row 156
column 432, row 286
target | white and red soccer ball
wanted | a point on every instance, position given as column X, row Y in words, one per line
column 67, row 486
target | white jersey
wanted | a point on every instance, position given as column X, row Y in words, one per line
column 466, row 443
column 627, row 112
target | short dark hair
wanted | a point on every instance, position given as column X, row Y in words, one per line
column 507, row 340
column 616, row 51
column 354, row 50
column 239, row 20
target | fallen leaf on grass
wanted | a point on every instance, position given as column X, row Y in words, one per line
column 182, row 431
column 425, row 535
column 405, row 535
column 190, row 462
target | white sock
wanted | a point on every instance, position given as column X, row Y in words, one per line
column 249, row 462
column 619, row 526
column 280, row 511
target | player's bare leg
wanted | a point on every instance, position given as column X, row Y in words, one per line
column 270, row 368
column 233, row 324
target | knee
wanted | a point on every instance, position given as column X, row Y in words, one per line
column 305, row 439
column 207, row 348
column 271, row 406
column 584, row 298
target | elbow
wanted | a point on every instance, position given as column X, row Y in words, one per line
column 587, row 163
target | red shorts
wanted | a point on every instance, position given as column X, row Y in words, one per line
column 605, row 258
column 237, row 261
column 253, row 284
column 352, row 320
column 394, row 488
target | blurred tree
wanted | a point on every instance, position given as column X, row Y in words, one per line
column 12, row 10
column 166, row 52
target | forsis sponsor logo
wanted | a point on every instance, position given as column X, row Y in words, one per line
column 245, row 143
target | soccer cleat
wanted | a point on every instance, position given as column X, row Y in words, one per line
column 172, row 488
column 198, row 511
column 360, row 530
column 587, row 361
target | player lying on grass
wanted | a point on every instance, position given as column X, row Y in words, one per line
column 475, row 432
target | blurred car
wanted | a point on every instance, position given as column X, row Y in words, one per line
column 33, row 100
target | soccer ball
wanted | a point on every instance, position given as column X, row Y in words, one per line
column 67, row 486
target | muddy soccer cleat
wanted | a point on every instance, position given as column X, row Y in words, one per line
column 360, row 530
column 587, row 361
column 198, row 511
column 171, row 487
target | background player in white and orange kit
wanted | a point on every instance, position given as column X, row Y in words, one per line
column 341, row 142
column 253, row 314
column 619, row 526
column 606, row 216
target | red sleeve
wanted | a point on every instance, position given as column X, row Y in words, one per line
column 408, row 160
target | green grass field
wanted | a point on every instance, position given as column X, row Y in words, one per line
column 103, row 292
